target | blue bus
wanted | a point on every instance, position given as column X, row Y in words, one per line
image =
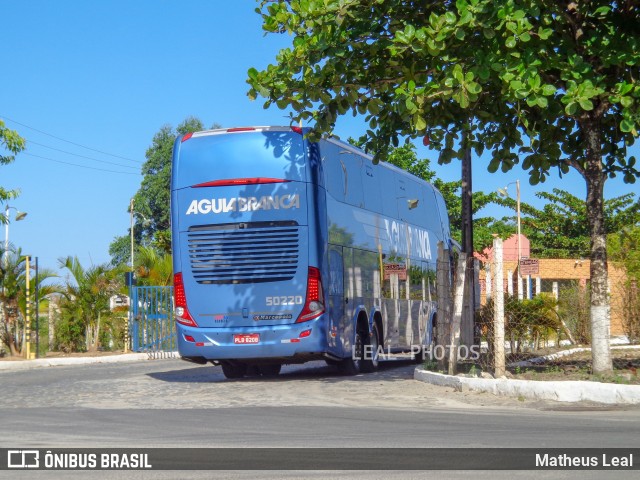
column 286, row 251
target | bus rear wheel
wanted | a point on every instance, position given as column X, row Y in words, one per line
column 234, row 370
column 270, row 370
column 366, row 354
column 369, row 358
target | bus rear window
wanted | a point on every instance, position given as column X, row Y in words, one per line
column 222, row 156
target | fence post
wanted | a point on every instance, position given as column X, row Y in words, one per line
column 498, row 312
column 456, row 319
column 443, row 293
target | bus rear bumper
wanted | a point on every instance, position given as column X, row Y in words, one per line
column 294, row 342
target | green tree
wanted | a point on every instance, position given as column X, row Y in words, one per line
column 152, row 199
column 10, row 145
column 13, row 296
column 154, row 268
column 624, row 247
column 561, row 230
column 553, row 85
column 12, row 280
column 86, row 298
column 120, row 250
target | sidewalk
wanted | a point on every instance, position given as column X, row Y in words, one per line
column 8, row 365
column 560, row 391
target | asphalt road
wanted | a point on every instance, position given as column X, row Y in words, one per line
column 170, row 403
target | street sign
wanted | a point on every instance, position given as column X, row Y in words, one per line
column 399, row 269
column 529, row 266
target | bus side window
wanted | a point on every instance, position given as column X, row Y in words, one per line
column 336, row 274
column 334, row 174
column 352, row 165
column 431, row 278
column 417, row 283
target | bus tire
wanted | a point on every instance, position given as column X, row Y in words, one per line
column 360, row 364
column 234, row 370
column 348, row 367
column 418, row 358
column 272, row 370
column 369, row 360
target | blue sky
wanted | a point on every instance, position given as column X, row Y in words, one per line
column 108, row 75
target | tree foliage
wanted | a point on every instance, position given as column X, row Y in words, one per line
column 86, row 298
column 560, row 229
column 13, row 296
column 624, row 247
column 154, row 268
column 550, row 85
column 10, row 145
column 152, row 199
column 431, row 68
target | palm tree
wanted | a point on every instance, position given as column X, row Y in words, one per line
column 154, row 268
column 13, row 299
column 12, row 268
column 86, row 298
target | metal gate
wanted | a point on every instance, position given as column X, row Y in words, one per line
column 151, row 323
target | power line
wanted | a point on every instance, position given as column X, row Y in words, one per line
column 69, row 141
column 78, row 155
column 77, row 165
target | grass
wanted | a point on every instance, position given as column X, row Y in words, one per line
column 626, row 368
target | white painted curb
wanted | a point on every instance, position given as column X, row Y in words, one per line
column 65, row 361
column 560, row 391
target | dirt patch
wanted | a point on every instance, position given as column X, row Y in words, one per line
column 577, row 366
column 557, row 365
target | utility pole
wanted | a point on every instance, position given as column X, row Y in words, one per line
column 27, row 321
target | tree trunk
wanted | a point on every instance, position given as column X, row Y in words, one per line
column 600, row 320
column 12, row 329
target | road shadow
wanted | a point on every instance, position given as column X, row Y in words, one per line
column 395, row 370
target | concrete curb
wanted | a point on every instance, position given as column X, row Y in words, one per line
column 559, row 391
column 66, row 361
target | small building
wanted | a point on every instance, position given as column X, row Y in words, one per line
column 552, row 276
column 118, row 301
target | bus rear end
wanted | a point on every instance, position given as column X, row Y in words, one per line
column 248, row 289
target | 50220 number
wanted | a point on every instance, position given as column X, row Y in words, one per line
column 284, row 300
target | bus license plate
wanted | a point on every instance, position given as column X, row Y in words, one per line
column 245, row 339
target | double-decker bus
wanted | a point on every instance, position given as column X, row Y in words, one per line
column 286, row 251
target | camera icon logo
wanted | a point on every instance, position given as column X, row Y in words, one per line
column 23, row 459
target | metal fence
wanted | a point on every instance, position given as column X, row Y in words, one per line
column 151, row 324
column 523, row 319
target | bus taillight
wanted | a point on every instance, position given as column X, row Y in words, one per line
column 313, row 307
column 182, row 314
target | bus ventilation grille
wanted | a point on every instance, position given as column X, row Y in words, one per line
column 243, row 253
